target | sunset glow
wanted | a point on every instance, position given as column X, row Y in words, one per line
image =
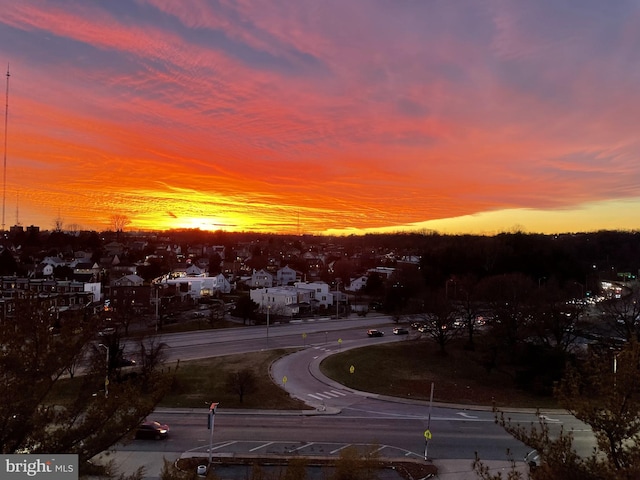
column 324, row 117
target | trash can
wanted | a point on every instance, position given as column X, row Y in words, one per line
column 202, row 470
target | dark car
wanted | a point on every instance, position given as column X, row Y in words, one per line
column 374, row 333
column 152, row 430
column 400, row 331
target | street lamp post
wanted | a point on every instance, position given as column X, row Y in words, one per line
column 337, row 298
column 106, row 377
column 268, row 310
column 157, row 316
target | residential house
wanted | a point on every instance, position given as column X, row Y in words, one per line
column 320, row 293
column 282, row 301
column 261, row 278
column 286, row 276
column 357, row 284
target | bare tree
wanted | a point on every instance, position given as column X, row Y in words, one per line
column 602, row 389
column 119, row 222
column 439, row 319
column 33, row 362
column 623, row 314
column 241, row 382
column 58, row 223
column 73, row 228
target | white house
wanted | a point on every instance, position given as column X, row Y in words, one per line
column 197, row 287
column 319, row 293
column 96, row 290
column 286, row 275
column 357, row 284
column 284, row 301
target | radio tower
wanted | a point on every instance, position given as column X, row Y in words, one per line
column 4, row 173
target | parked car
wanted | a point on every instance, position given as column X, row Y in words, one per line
column 152, row 430
column 532, row 459
column 125, row 362
column 106, row 332
column 375, row 333
column 400, row 331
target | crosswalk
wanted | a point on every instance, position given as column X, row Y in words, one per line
column 327, row 394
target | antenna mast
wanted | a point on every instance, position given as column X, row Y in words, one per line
column 4, row 174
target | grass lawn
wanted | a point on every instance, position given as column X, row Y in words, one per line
column 200, row 382
column 403, row 369
column 407, row 369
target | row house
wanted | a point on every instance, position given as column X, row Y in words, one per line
column 61, row 295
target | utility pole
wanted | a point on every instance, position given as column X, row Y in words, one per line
column 6, row 124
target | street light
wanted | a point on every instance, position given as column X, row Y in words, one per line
column 106, row 377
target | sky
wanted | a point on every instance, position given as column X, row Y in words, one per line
column 322, row 116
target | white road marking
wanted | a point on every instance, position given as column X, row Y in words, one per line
column 221, row 446
column 303, row 446
column 261, row 446
column 314, row 396
column 466, row 415
column 544, row 418
column 332, row 452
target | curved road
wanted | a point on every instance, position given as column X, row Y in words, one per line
column 338, row 416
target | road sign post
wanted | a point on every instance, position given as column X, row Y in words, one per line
column 427, row 437
column 212, row 416
column 427, row 432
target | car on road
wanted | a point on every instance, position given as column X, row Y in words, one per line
column 400, row 331
column 375, row 333
column 152, row 430
column 532, row 459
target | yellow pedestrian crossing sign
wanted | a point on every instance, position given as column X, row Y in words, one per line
column 427, row 434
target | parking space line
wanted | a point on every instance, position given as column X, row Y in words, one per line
column 261, row 446
column 223, row 445
column 303, row 446
column 338, row 449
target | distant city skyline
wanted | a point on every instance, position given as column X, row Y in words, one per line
column 323, row 117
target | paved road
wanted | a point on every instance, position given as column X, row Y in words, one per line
column 338, row 416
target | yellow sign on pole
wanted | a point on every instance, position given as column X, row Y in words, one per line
column 427, row 434
column 284, row 379
column 352, row 369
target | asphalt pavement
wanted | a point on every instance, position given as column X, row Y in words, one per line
column 128, row 462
